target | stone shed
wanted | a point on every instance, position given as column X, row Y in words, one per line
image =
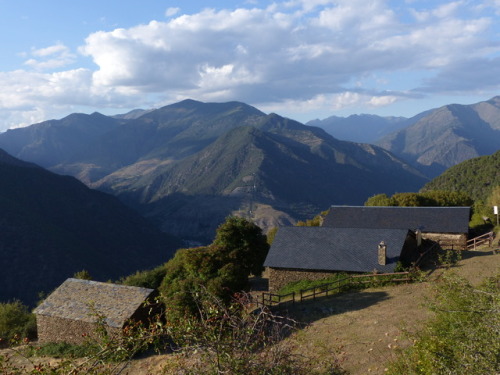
column 447, row 225
column 313, row 253
column 70, row 313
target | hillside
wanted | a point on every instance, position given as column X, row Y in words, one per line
column 190, row 164
column 53, row 226
column 447, row 136
column 477, row 177
column 364, row 328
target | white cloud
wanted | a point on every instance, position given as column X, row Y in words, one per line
column 172, row 12
column 300, row 54
column 49, row 58
column 380, row 101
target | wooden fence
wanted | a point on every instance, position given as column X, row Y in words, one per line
column 337, row 286
column 480, row 240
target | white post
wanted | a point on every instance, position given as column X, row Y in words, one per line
column 495, row 211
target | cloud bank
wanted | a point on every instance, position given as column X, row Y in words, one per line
column 295, row 56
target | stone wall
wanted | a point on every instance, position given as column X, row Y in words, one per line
column 455, row 241
column 54, row 329
column 278, row 278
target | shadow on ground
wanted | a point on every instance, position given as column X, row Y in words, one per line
column 310, row 311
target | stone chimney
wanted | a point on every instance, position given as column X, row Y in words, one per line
column 382, row 253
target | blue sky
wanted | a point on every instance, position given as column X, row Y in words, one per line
column 303, row 59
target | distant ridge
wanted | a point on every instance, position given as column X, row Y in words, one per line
column 447, row 136
column 190, row 164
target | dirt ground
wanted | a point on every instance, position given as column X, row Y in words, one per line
column 365, row 326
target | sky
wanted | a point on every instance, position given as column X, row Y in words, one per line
column 302, row 59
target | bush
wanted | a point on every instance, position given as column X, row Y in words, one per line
column 464, row 336
column 146, row 279
column 228, row 339
column 16, row 322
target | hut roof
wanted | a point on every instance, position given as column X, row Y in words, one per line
column 427, row 219
column 335, row 249
column 84, row 300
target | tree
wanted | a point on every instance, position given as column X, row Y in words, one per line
column 146, row 279
column 431, row 198
column 243, row 243
column 494, row 197
column 222, row 268
column 379, row 200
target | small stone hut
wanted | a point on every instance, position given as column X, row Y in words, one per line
column 313, row 253
column 71, row 313
column 447, row 225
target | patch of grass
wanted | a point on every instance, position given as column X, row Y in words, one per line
column 297, row 286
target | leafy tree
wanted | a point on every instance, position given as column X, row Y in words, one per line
column 408, row 200
column 146, row 279
column 379, row 200
column 494, row 198
column 432, row 198
column 447, row 198
column 223, row 268
column 243, row 243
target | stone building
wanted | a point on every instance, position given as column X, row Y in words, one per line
column 71, row 313
column 447, row 225
column 313, row 253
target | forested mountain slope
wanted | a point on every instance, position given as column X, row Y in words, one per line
column 476, row 177
column 53, row 226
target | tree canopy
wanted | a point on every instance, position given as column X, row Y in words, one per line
column 432, row 198
column 222, row 268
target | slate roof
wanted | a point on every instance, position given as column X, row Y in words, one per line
column 73, row 299
column 334, row 249
column 427, row 219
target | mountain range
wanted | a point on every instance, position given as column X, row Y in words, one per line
column 53, row 226
column 431, row 141
column 188, row 165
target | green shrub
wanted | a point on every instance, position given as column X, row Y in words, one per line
column 146, row 279
column 464, row 336
column 16, row 321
